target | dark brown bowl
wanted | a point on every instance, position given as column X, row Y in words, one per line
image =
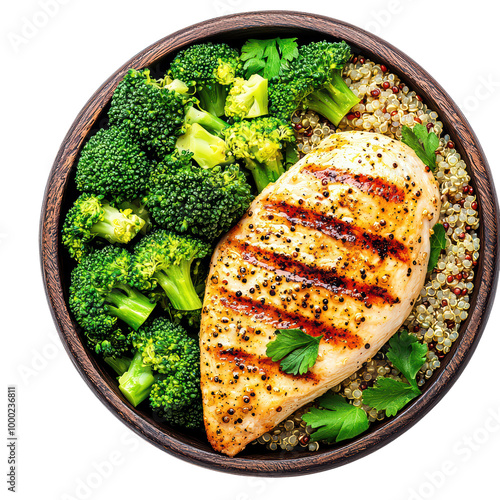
column 55, row 266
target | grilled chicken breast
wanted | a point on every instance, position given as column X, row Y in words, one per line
column 338, row 247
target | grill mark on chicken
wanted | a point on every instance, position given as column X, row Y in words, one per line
column 298, row 272
column 249, row 363
column 340, row 230
column 375, row 186
column 270, row 314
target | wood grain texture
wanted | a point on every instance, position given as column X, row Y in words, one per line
column 195, row 448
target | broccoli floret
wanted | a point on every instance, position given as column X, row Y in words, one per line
column 171, row 164
column 165, row 346
column 247, row 98
column 314, row 81
column 175, row 395
column 165, row 367
column 138, row 207
column 175, row 85
column 208, row 150
column 149, row 110
column 259, row 143
column 211, row 68
column 101, row 294
column 207, row 120
column 176, row 400
column 200, row 201
column 164, row 258
column 91, row 216
column 109, row 343
column 112, row 165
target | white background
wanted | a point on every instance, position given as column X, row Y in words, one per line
column 70, row 446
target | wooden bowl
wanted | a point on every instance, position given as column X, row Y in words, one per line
column 60, row 192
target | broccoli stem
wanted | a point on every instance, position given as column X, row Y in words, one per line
column 207, row 120
column 135, row 384
column 333, row 101
column 264, row 173
column 119, row 365
column 275, row 169
column 178, row 285
column 129, row 305
column 213, row 98
column 117, row 227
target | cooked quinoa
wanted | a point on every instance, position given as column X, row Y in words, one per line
column 388, row 104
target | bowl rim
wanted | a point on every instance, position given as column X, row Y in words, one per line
column 485, row 286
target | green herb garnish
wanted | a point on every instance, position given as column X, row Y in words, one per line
column 408, row 355
column 268, row 58
column 389, row 395
column 438, row 243
column 337, row 420
column 296, row 349
column 423, row 142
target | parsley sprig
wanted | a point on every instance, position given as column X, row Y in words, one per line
column 408, row 355
column 389, row 395
column 296, row 349
column 423, row 142
column 268, row 58
column 337, row 420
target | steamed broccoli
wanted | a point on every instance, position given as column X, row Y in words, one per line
column 135, row 384
column 247, row 98
column 111, row 164
column 171, row 164
column 207, row 120
column 164, row 258
column 259, row 143
column 200, row 201
column 211, row 68
column 208, row 150
column 165, row 367
column 149, row 110
column 314, row 81
column 174, row 85
column 91, row 216
column 100, row 294
column 119, row 364
column 138, row 208
column 177, row 400
column 189, row 319
column 113, row 343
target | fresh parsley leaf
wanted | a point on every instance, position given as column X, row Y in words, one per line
column 389, row 395
column 268, row 58
column 296, row 349
column 289, row 50
column 438, row 243
column 423, row 142
column 253, row 49
column 272, row 56
column 254, row 66
column 408, row 355
column 338, row 420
